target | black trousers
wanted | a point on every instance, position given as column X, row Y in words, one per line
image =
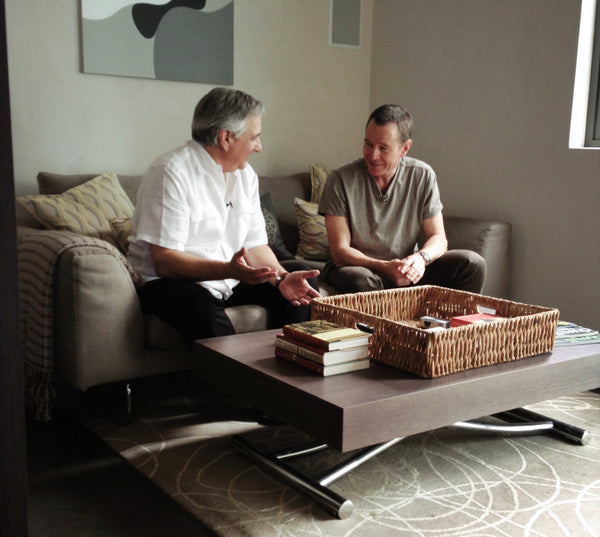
column 197, row 314
column 457, row 269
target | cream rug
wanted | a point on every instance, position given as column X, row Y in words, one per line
column 443, row 483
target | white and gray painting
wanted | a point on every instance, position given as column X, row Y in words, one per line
column 186, row 40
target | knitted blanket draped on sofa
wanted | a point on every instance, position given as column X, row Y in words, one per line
column 38, row 254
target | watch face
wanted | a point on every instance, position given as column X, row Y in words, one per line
column 426, row 257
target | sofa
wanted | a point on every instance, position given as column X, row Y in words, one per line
column 100, row 335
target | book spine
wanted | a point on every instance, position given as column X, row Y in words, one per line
column 300, row 349
column 299, row 360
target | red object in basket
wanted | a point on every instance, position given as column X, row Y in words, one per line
column 462, row 320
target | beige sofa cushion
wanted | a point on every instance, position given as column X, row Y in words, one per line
column 87, row 208
column 318, row 177
column 122, row 229
column 313, row 235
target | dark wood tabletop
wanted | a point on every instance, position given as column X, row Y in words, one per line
column 362, row 408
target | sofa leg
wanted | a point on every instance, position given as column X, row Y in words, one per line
column 124, row 414
column 121, row 404
column 128, row 399
column 114, row 400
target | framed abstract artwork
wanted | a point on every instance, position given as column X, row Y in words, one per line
column 185, row 40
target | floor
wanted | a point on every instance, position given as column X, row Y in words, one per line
column 79, row 487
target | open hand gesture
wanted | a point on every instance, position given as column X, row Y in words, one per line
column 242, row 271
column 296, row 288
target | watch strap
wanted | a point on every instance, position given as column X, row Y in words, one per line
column 425, row 257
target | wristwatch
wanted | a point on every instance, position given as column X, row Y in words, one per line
column 425, row 256
column 279, row 279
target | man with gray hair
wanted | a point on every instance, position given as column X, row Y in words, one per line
column 198, row 233
column 377, row 208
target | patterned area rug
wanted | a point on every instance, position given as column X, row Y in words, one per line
column 445, row 483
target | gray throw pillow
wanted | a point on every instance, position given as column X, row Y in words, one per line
column 272, row 225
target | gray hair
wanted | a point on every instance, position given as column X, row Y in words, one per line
column 394, row 113
column 223, row 109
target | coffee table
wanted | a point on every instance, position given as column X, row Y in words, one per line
column 375, row 408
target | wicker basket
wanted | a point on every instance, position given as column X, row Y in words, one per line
column 399, row 341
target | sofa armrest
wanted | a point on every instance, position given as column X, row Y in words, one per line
column 491, row 239
column 98, row 324
column 24, row 230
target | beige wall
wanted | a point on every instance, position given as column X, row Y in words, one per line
column 489, row 82
column 490, row 85
column 65, row 121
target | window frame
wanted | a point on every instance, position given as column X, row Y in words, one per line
column 592, row 130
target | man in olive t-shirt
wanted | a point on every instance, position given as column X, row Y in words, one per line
column 376, row 209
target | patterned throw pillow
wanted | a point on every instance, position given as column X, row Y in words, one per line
column 318, row 176
column 87, row 208
column 122, row 229
column 313, row 236
column 273, row 232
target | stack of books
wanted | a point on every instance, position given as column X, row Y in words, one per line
column 324, row 347
column 572, row 334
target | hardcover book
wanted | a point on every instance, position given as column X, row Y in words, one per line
column 320, row 369
column 462, row 320
column 325, row 335
column 321, row 356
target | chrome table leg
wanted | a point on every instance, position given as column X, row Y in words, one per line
column 328, row 499
column 307, row 449
column 354, row 462
column 560, row 428
column 318, row 489
column 531, row 423
column 526, row 428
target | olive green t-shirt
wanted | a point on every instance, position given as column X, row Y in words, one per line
column 384, row 227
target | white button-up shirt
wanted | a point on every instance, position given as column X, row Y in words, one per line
column 186, row 203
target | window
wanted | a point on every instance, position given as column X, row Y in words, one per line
column 592, row 132
column 585, row 115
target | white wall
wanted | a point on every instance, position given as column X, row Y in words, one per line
column 490, row 85
column 64, row 121
column 489, row 82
